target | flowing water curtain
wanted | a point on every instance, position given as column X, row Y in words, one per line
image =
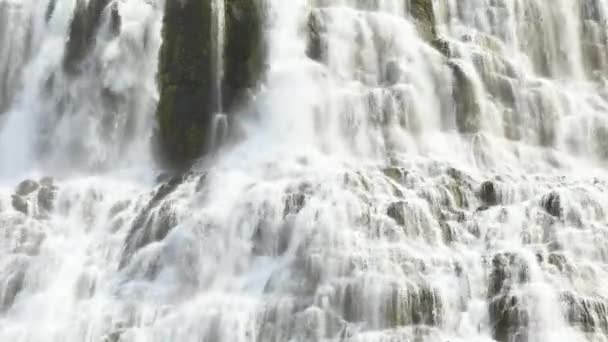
column 83, row 93
column 406, row 173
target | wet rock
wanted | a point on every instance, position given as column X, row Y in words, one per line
column 443, row 46
column 468, row 110
column 395, row 173
column 85, row 24
column 296, row 199
column 50, row 8
column 487, row 193
column 46, row 197
column 154, row 222
column 414, row 305
column 27, row 187
column 560, row 261
column 118, row 208
column 245, row 51
column 187, row 76
column 392, row 72
column 508, row 314
column 47, row 181
column 20, row 204
column 509, row 319
column 396, row 211
column 317, row 45
column 186, row 81
column 113, row 336
column 294, row 203
column 507, row 270
column 423, row 13
column 552, row 204
column 11, row 283
column 587, row 314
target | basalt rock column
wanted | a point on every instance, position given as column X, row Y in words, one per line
column 188, row 74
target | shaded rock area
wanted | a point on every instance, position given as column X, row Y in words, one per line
column 508, row 314
column 468, row 110
column 187, row 75
column 552, row 204
column 13, row 282
column 316, row 47
column 154, row 221
column 35, row 198
column 244, row 53
column 589, row 315
column 83, row 28
column 422, row 11
column 396, row 211
column 185, row 80
column 488, row 195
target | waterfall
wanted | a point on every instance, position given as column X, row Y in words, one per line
column 218, row 130
column 405, row 170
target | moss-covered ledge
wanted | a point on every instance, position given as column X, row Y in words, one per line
column 245, row 50
column 187, row 72
column 85, row 23
column 185, row 80
column 424, row 14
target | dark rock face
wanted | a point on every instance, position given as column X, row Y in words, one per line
column 590, row 315
column 488, row 194
column 19, row 204
column 552, row 204
column 187, row 72
column 154, row 221
column 468, row 110
column 185, row 80
column 396, row 211
column 508, row 313
column 34, row 198
column 245, row 51
column 85, row 24
column 10, row 289
column 27, row 187
column 422, row 11
column 317, row 45
column 509, row 320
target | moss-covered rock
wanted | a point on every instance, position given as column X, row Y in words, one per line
column 188, row 72
column 83, row 28
column 185, row 80
column 422, row 11
column 245, row 50
column 468, row 109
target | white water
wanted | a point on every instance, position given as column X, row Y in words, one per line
column 351, row 209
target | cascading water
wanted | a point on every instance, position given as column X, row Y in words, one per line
column 398, row 181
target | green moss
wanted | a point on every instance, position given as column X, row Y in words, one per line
column 185, row 81
column 422, row 11
column 187, row 74
column 245, row 49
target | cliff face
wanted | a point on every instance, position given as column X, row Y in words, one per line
column 245, row 50
column 185, row 80
column 188, row 72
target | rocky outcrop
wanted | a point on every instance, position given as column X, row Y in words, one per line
column 589, row 315
column 85, row 25
column 187, row 76
column 423, row 13
column 508, row 314
column 154, row 221
column 35, row 198
column 552, row 204
column 185, row 80
column 467, row 107
column 245, row 51
column 488, row 194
